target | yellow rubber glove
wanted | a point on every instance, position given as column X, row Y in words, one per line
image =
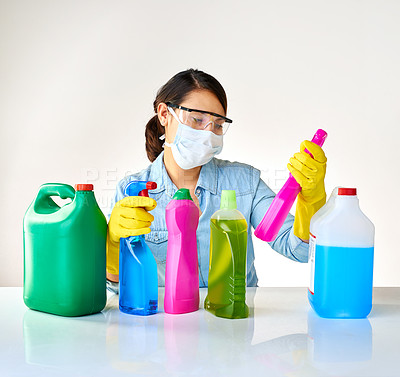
column 129, row 217
column 310, row 174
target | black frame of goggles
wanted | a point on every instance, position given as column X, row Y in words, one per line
column 227, row 120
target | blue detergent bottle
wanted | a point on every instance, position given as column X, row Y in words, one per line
column 138, row 282
column 341, row 255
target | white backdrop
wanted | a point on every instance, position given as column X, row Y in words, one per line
column 78, row 78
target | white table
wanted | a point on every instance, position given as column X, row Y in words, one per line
column 282, row 337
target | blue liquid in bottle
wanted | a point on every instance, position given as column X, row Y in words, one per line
column 138, row 280
column 342, row 282
column 138, row 286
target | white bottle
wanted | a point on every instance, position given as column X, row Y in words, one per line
column 341, row 258
column 323, row 211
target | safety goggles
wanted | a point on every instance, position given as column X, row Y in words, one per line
column 200, row 120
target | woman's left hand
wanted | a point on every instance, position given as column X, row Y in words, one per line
column 309, row 172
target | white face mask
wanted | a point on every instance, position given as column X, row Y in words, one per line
column 192, row 147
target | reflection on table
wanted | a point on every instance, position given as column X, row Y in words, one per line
column 279, row 339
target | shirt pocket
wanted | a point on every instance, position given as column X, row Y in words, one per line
column 244, row 202
column 157, row 241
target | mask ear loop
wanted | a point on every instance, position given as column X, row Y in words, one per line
column 162, row 137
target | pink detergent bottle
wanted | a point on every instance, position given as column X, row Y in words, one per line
column 182, row 268
column 277, row 212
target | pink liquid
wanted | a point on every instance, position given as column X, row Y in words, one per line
column 182, row 269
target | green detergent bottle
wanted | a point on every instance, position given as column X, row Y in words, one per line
column 228, row 251
column 65, row 252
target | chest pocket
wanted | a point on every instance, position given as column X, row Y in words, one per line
column 156, row 240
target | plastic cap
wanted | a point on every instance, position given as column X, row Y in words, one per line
column 144, row 192
column 182, row 194
column 151, row 185
column 228, row 199
column 83, row 187
column 347, row 191
column 320, row 137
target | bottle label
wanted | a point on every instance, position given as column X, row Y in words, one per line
column 311, row 259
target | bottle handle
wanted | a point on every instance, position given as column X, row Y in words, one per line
column 43, row 199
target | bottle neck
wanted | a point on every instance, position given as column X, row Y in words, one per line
column 347, row 201
column 84, row 197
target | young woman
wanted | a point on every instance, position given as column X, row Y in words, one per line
column 182, row 140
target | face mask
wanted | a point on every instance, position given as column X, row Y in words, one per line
column 193, row 148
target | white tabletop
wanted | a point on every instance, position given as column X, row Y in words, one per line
column 282, row 337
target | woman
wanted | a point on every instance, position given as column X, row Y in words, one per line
column 182, row 144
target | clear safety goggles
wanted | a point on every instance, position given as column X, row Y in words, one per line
column 200, row 120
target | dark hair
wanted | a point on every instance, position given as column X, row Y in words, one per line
column 175, row 91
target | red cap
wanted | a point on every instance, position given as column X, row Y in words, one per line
column 347, row 191
column 144, row 192
column 83, row 187
column 151, row 185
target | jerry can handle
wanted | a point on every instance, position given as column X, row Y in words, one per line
column 53, row 189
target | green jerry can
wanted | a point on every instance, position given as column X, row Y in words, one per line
column 65, row 252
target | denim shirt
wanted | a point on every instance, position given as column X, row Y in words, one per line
column 253, row 198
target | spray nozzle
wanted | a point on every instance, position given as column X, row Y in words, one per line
column 139, row 188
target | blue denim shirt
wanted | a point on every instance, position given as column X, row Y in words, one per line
column 253, row 198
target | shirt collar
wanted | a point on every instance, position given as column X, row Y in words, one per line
column 159, row 174
column 207, row 178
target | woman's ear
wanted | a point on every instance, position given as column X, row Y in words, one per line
column 167, row 121
column 162, row 113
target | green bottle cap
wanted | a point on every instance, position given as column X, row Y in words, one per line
column 182, row 194
column 228, row 199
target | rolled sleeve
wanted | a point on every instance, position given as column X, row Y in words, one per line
column 286, row 243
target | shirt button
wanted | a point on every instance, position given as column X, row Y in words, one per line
column 198, row 191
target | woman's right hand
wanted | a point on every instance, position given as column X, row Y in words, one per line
column 129, row 217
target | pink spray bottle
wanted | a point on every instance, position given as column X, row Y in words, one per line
column 277, row 212
column 182, row 269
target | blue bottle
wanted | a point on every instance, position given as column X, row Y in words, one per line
column 341, row 257
column 138, row 282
